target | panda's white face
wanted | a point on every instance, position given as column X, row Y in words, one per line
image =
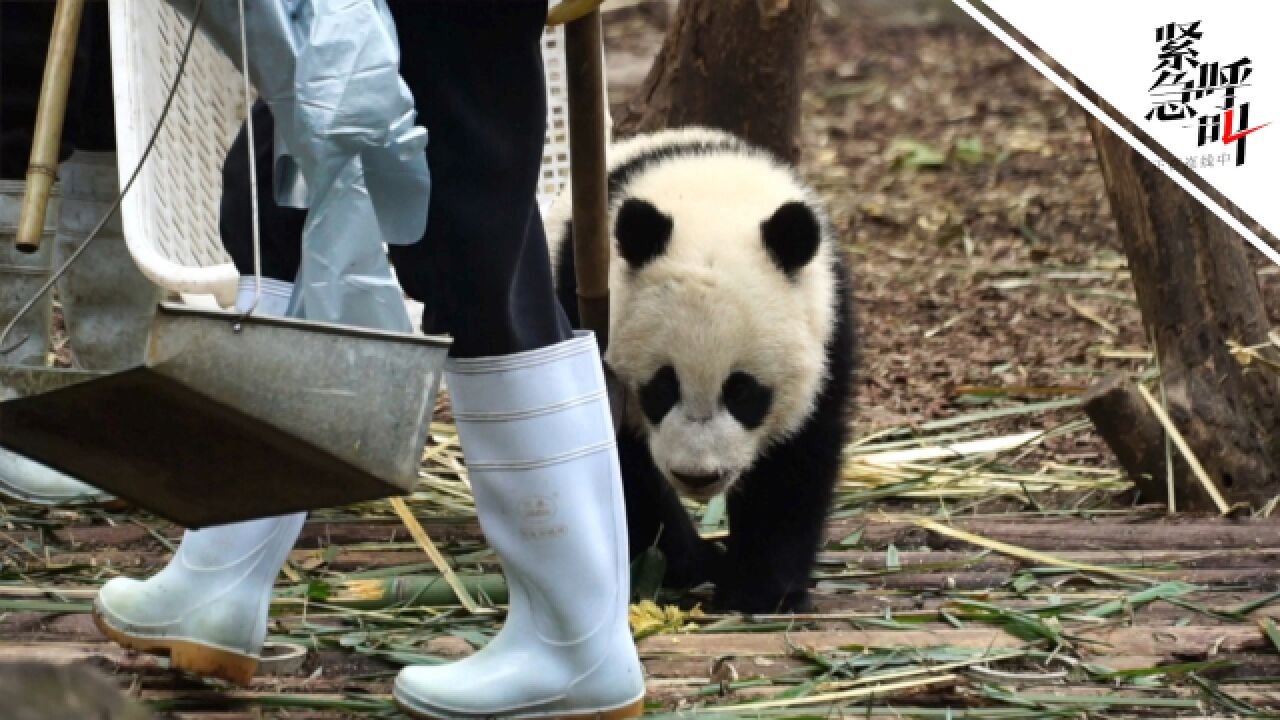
column 706, row 396
column 722, row 300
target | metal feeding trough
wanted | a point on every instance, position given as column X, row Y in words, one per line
column 327, row 415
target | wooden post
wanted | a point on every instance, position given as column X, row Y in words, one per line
column 737, row 65
column 1123, row 418
column 1198, row 294
column 588, row 173
column 43, row 167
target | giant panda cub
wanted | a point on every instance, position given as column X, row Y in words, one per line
column 732, row 334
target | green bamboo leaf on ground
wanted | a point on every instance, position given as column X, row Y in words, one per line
column 1178, row 669
column 1223, row 616
column 801, row 690
column 914, row 155
column 891, row 560
column 886, row 623
column 1273, row 633
column 1027, row 409
column 1245, row 608
column 1024, row 582
column 853, row 539
column 1022, row 625
column 969, row 151
column 1222, row 698
column 1163, row 591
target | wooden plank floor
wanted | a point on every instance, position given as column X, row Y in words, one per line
column 952, row 624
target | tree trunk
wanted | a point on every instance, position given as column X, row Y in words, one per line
column 736, row 65
column 1198, row 293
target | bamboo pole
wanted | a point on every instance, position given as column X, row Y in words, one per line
column 42, row 169
column 585, row 80
column 429, row 547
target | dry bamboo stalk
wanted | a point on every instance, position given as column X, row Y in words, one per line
column 841, row 685
column 905, row 457
column 1023, row 553
column 1176, row 436
column 877, row 690
column 1093, row 316
column 43, row 166
column 437, row 559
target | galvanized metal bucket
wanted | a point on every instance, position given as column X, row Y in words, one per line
column 232, row 419
column 20, row 275
column 107, row 303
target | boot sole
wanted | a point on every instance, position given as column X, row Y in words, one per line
column 112, row 504
column 187, row 655
column 630, row 710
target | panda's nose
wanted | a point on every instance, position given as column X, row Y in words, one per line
column 698, row 481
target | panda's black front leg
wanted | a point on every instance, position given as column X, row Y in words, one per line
column 655, row 516
column 777, row 515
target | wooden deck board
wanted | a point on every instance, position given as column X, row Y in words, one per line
column 1230, row 563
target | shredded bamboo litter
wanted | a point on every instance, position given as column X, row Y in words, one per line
column 967, row 573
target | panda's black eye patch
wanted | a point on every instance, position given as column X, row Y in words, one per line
column 746, row 399
column 660, row 394
column 792, row 236
column 643, row 232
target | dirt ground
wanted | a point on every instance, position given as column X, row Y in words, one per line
column 966, row 189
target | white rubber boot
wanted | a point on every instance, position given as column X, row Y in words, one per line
column 33, row 483
column 539, row 447
column 207, row 609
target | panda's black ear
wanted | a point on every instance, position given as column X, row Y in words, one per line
column 643, row 232
column 791, row 236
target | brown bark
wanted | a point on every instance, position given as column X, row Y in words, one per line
column 731, row 64
column 585, row 81
column 1134, row 434
column 1197, row 293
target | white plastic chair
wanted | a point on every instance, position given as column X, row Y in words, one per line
column 171, row 214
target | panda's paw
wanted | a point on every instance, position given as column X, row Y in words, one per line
column 693, row 565
column 761, row 600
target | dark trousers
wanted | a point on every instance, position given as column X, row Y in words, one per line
column 482, row 270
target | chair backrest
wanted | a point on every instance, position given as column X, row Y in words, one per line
column 170, row 215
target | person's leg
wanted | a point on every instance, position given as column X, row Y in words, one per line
column 208, row 607
column 90, row 121
column 528, row 396
column 280, row 235
column 483, row 268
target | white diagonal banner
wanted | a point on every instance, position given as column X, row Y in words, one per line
column 1201, row 79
